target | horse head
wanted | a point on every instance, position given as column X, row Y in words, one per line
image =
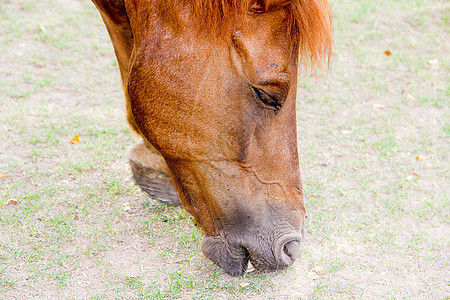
column 211, row 87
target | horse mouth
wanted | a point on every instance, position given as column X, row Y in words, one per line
column 234, row 259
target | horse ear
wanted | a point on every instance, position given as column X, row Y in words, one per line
column 311, row 26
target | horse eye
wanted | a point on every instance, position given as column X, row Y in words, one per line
column 257, row 7
column 269, row 101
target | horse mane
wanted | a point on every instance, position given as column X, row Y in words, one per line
column 310, row 27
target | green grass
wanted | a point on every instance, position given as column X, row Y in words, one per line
column 374, row 229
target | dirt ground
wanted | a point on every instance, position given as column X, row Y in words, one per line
column 373, row 140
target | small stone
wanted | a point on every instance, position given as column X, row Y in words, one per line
column 410, row 97
column 319, row 270
column 378, row 106
column 126, row 206
column 346, row 131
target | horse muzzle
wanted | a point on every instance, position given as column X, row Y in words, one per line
column 232, row 253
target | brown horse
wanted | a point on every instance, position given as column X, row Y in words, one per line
column 210, row 88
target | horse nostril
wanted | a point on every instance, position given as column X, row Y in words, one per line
column 292, row 249
column 287, row 250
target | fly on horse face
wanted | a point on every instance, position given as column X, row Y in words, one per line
column 210, row 87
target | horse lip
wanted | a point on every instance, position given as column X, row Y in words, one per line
column 232, row 259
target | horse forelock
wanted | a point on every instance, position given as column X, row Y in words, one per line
column 310, row 27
